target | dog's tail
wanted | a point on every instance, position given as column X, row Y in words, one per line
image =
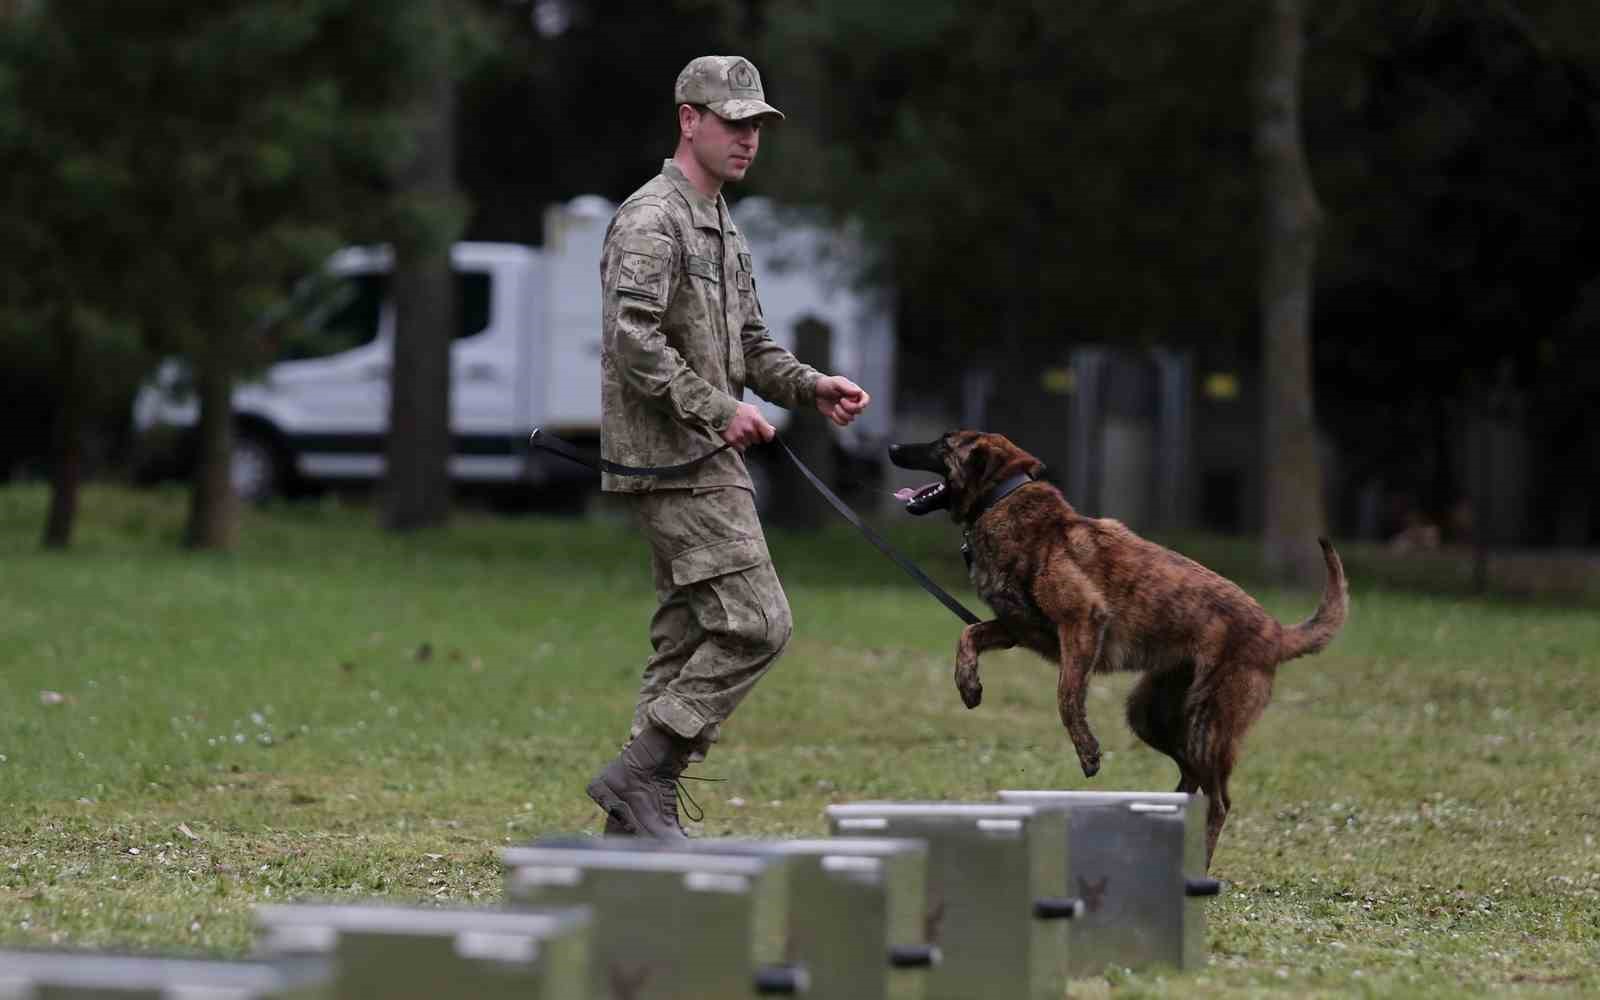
column 1314, row 634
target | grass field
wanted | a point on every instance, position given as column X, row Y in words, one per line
column 338, row 714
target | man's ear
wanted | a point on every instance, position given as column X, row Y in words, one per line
column 688, row 120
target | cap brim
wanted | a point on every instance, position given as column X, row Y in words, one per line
column 739, row 110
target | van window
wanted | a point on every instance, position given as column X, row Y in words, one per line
column 346, row 310
column 344, row 316
column 473, row 300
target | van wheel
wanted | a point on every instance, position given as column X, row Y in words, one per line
column 256, row 468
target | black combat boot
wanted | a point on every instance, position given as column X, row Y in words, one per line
column 639, row 789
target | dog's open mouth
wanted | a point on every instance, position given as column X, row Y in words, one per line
column 926, row 500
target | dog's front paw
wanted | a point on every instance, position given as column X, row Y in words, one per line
column 1090, row 759
column 970, row 687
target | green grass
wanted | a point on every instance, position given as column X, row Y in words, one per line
column 335, row 713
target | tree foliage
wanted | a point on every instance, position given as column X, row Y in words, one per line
column 185, row 163
column 578, row 100
column 1044, row 174
column 1059, row 171
column 1036, row 175
column 1456, row 145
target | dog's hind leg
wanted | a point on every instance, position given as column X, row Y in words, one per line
column 1155, row 714
column 975, row 640
column 1210, row 748
column 1217, row 805
column 1219, row 718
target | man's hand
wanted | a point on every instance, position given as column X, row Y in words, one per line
column 840, row 399
column 748, row 427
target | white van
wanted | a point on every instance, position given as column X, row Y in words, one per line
column 527, row 355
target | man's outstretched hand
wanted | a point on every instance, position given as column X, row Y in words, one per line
column 840, row 399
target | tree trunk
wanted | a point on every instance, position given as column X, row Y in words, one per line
column 416, row 490
column 1294, row 515
column 213, row 508
column 67, row 447
column 796, row 505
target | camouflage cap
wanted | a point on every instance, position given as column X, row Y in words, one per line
column 728, row 85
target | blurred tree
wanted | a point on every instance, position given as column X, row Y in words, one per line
column 229, row 146
column 430, row 214
column 1041, row 175
column 1290, row 218
column 578, row 100
column 1034, row 173
column 1456, row 144
column 65, row 320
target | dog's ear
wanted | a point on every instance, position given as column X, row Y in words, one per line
column 978, row 465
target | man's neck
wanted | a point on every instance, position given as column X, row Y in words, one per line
column 697, row 175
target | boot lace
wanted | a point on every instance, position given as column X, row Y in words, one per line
column 675, row 793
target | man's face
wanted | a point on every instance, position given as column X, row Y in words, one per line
column 723, row 148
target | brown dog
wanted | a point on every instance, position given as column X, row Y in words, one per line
column 1088, row 594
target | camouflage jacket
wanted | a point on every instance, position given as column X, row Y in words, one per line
column 682, row 336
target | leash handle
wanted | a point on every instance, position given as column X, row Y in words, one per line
column 551, row 443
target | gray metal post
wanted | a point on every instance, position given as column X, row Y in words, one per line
column 1088, row 417
column 1174, row 426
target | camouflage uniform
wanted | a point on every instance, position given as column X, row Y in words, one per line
column 683, row 336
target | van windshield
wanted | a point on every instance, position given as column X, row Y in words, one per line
column 342, row 313
column 344, row 316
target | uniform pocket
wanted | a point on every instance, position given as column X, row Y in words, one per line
column 715, row 559
column 704, row 267
column 741, row 608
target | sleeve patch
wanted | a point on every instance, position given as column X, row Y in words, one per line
column 642, row 275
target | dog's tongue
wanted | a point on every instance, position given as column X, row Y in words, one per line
column 919, row 501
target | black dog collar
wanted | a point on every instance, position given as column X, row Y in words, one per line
column 985, row 505
column 999, row 493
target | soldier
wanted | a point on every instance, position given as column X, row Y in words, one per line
column 682, row 337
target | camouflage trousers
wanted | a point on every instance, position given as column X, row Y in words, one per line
column 722, row 617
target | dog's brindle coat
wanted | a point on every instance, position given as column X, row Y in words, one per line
column 1090, row 595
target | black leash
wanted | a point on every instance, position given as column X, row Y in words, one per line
column 540, row 439
column 551, row 443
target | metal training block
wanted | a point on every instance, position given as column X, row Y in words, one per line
column 668, row 925
column 855, row 915
column 855, row 910
column 47, row 975
column 411, row 953
column 996, row 902
column 1138, row 861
